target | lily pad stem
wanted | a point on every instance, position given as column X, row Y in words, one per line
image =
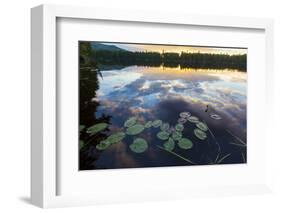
column 177, row 155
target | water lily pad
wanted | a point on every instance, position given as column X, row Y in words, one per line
column 164, row 126
column 103, row 145
column 130, row 122
column 81, row 127
column 185, row 114
column 202, row 126
column 163, row 135
column 139, row 145
column 200, row 134
column 215, row 116
column 97, row 128
column 134, row 130
column 177, row 135
column 185, row 143
column 169, row 145
column 148, row 124
column 116, row 137
column 182, row 120
column 156, row 123
column 193, row 119
column 179, row 127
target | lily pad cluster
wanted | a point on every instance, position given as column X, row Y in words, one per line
column 199, row 131
column 134, row 128
column 184, row 117
column 170, row 135
column 173, row 135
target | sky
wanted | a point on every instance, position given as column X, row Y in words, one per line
column 179, row 49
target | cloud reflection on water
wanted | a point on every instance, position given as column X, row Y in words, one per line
column 142, row 89
column 151, row 93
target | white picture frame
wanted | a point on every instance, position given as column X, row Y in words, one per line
column 44, row 155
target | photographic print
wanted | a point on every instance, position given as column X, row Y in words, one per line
column 156, row 105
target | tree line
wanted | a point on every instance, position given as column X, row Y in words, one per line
column 167, row 59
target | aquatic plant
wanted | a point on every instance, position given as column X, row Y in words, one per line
column 185, row 114
column 200, row 134
column 177, row 155
column 170, row 135
column 179, row 127
column 112, row 139
column 103, row 145
column 237, row 144
column 156, row 123
column 163, row 135
column 176, row 135
column 148, row 124
column 185, row 143
column 239, row 140
column 202, row 126
column 139, row 145
column 130, row 122
column 243, row 157
column 165, row 126
column 96, row 128
column 169, row 145
column 215, row 116
column 222, row 159
column 134, row 130
column 116, row 137
column 193, row 119
column 216, row 142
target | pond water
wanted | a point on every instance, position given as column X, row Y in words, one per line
column 151, row 93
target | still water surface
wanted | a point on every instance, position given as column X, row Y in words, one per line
column 151, row 93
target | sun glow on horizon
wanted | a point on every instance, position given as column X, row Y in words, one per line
column 178, row 49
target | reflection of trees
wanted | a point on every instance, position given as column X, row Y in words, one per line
column 214, row 61
column 184, row 59
column 88, row 86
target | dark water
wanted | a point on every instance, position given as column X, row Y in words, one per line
column 151, row 93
